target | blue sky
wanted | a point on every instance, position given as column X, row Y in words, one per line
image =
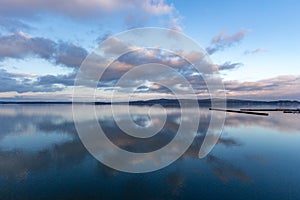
column 256, row 41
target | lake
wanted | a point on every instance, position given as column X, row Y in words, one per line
column 42, row 157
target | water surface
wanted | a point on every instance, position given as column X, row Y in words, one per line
column 42, row 157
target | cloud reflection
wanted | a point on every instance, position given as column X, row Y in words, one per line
column 226, row 171
column 67, row 150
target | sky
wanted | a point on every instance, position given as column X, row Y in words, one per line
column 253, row 45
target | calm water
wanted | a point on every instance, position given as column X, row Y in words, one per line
column 41, row 157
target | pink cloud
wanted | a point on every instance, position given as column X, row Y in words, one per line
column 281, row 87
column 223, row 41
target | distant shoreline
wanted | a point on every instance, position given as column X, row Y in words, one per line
column 165, row 102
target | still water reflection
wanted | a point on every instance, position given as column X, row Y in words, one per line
column 41, row 156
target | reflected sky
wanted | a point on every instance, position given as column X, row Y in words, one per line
column 41, row 156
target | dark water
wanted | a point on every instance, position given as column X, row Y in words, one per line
column 41, row 157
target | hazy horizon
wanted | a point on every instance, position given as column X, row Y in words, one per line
column 136, row 100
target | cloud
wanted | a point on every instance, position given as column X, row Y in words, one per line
column 75, row 8
column 229, row 142
column 116, row 46
column 281, row 87
column 136, row 12
column 229, row 66
column 20, row 45
column 50, row 80
column 103, row 37
column 178, row 60
column 21, row 84
column 138, row 56
column 222, row 38
column 225, row 170
column 175, row 22
column 255, row 51
column 13, row 25
column 69, row 54
column 222, row 41
column 144, row 57
column 71, row 152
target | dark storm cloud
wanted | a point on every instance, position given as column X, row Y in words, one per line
column 20, row 45
column 222, row 41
